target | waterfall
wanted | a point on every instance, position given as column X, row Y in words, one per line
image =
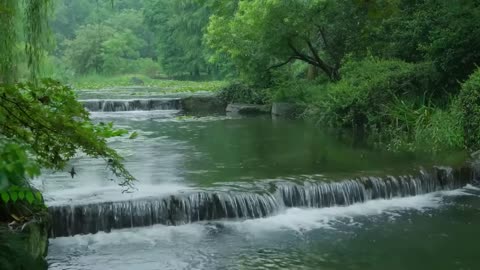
column 172, row 210
column 371, row 188
column 122, row 105
column 214, row 205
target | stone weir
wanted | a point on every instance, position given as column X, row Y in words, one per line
column 122, row 105
column 191, row 207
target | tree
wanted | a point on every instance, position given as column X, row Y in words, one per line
column 444, row 32
column 179, row 27
column 85, row 53
column 33, row 29
column 262, row 35
column 42, row 125
column 120, row 51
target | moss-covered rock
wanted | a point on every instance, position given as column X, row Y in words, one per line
column 288, row 110
column 200, row 104
column 25, row 248
column 248, row 109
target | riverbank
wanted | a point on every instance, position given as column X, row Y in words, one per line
column 158, row 86
column 25, row 246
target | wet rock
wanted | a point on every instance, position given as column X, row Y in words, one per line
column 287, row 110
column 203, row 104
column 248, row 109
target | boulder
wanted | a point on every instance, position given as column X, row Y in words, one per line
column 288, row 110
column 203, row 104
column 248, row 109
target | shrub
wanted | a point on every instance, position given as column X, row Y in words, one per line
column 370, row 93
column 435, row 130
column 295, row 91
column 148, row 67
column 469, row 107
column 442, row 130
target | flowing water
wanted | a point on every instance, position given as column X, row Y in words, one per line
column 223, row 192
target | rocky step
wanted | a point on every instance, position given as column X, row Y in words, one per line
column 212, row 205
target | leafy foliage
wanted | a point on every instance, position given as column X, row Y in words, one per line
column 44, row 126
column 367, row 93
column 85, row 53
column 262, row 35
column 13, row 253
column 14, row 29
column 179, row 26
column 469, row 100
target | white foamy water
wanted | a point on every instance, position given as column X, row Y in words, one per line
column 302, row 220
column 135, row 115
column 293, row 219
column 221, row 244
column 91, row 195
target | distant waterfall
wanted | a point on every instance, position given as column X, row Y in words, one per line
column 122, row 105
column 214, row 205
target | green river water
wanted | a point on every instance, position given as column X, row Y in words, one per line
column 175, row 153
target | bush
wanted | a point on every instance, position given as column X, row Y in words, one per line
column 373, row 94
column 469, row 107
column 295, row 91
column 442, row 130
column 148, row 67
column 435, row 130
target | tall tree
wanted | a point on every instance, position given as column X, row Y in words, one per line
column 268, row 34
column 179, row 27
column 34, row 28
column 41, row 122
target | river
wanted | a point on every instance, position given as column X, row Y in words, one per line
column 251, row 193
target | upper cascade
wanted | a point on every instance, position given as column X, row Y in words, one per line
column 122, row 105
column 191, row 207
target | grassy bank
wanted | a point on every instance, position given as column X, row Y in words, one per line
column 172, row 86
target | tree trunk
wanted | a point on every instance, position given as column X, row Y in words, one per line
column 196, row 72
column 312, row 72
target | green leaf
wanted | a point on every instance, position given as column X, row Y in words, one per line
column 21, row 195
column 38, row 196
column 14, row 196
column 29, row 196
column 133, row 136
column 5, row 197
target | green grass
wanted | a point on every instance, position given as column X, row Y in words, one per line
column 94, row 82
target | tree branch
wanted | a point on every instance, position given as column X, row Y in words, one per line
column 282, row 63
column 331, row 72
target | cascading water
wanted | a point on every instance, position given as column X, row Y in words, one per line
column 214, row 205
column 122, row 105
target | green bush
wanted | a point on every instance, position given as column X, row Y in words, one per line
column 435, row 130
column 469, row 107
column 148, row 67
column 442, row 130
column 295, row 91
column 372, row 94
